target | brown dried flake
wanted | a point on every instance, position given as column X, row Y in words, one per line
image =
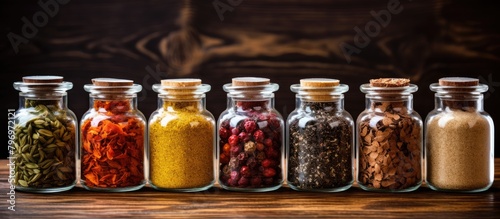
column 390, row 152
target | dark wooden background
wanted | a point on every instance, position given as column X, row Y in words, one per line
column 281, row 39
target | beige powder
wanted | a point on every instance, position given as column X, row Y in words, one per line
column 458, row 151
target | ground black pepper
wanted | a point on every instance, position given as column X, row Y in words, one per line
column 320, row 153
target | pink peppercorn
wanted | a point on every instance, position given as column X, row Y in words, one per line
column 235, row 131
column 258, row 136
column 233, row 140
column 244, row 181
column 268, row 142
column 269, row 172
column 250, row 126
column 256, row 181
column 223, row 133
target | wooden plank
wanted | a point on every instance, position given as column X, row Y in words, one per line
column 280, row 39
column 147, row 202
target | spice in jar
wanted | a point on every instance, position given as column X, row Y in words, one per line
column 320, row 138
column 251, row 137
column 44, row 136
column 182, row 137
column 459, row 139
column 389, row 138
column 112, row 138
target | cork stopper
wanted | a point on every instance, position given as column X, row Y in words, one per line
column 319, row 89
column 181, row 82
column 458, row 81
column 250, row 81
column 42, row 79
column 319, row 82
column 112, row 82
column 390, row 82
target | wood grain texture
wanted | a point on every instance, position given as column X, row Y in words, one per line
column 218, row 203
column 280, row 39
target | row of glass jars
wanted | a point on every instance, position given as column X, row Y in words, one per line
column 246, row 147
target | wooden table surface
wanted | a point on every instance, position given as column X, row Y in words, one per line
column 423, row 203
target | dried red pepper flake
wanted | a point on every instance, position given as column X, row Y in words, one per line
column 113, row 150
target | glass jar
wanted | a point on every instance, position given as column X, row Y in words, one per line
column 182, row 137
column 320, row 139
column 389, row 134
column 113, row 136
column 459, row 138
column 45, row 136
column 250, row 137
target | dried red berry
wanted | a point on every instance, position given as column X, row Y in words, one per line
column 235, row 131
column 243, row 136
column 245, row 171
column 224, row 159
column 274, row 124
column 235, row 175
column 263, row 117
column 268, row 142
column 223, row 133
column 268, row 172
column 226, row 149
column 241, row 156
column 225, row 124
column 258, row 136
column 233, row 140
column 250, row 126
column 267, row 163
column 232, row 182
column 256, row 181
column 244, row 181
column 260, row 146
column 251, row 162
column 235, row 150
column 271, row 153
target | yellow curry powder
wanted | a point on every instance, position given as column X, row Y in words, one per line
column 181, row 147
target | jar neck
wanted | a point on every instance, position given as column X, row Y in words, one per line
column 114, row 104
column 464, row 102
column 241, row 104
column 182, row 105
column 390, row 103
column 334, row 105
column 52, row 101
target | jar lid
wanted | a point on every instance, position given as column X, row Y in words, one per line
column 43, row 83
column 319, row 89
column 390, row 82
column 181, row 82
column 42, row 79
column 112, row 82
column 319, row 82
column 181, row 88
column 250, row 81
column 253, row 88
column 458, row 81
column 112, row 85
column 459, row 85
column 389, row 87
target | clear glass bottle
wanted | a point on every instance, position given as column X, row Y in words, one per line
column 45, row 136
column 389, row 133
column 459, row 138
column 250, row 137
column 182, row 137
column 320, row 138
column 113, row 137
